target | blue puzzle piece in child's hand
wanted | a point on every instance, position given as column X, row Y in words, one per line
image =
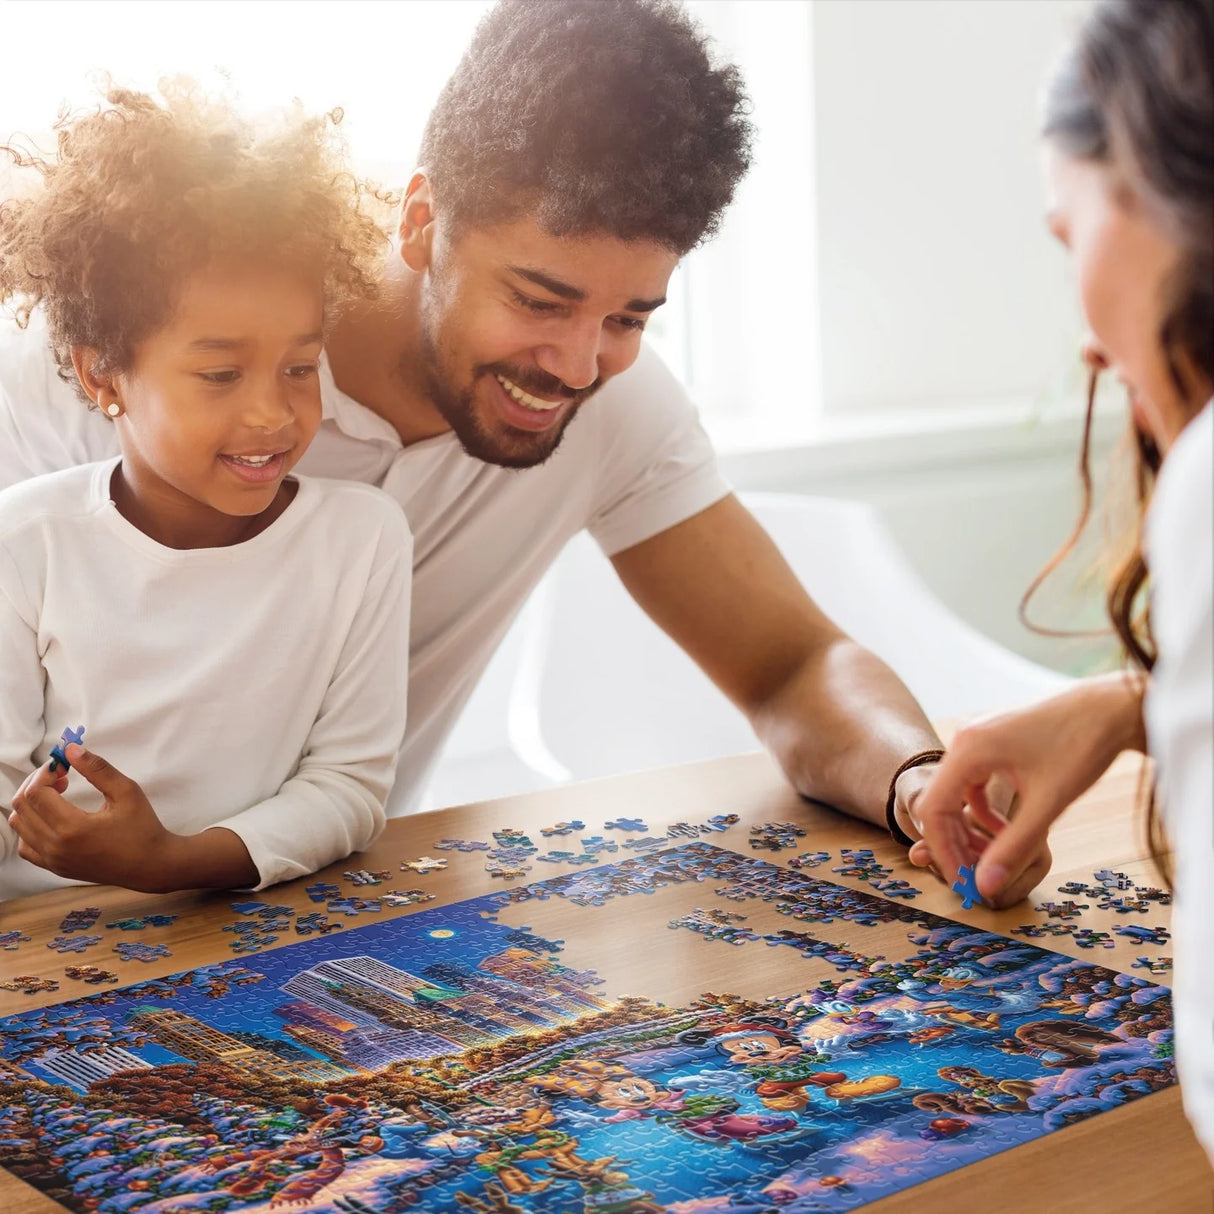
column 58, row 758
column 967, row 887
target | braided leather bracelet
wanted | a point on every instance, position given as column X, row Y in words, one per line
column 916, row 760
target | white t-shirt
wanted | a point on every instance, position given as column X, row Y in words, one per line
column 634, row 462
column 257, row 687
column 1180, row 730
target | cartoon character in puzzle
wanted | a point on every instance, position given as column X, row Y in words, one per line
column 318, row 1155
column 767, row 1042
column 629, row 1097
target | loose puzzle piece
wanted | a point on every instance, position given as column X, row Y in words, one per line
column 1085, row 937
column 634, row 824
column 646, row 843
column 562, row 828
column 967, row 887
column 896, row 888
column 72, row 944
column 137, row 950
column 406, row 897
column 27, row 984
column 11, row 941
column 461, row 845
column 423, row 865
column 315, row 924
column 1157, row 965
column 90, row 974
column 721, row 822
column 776, row 836
column 361, row 876
column 80, row 920
column 593, row 844
column 809, row 859
column 1062, row 910
column 322, row 891
column 354, row 906
column 1144, row 935
column 141, row 922
column 249, row 908
column 506, row 869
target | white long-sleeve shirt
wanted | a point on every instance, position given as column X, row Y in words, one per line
column 1180, row 732
column 259, row 687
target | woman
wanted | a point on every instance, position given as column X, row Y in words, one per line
column 1129, row 128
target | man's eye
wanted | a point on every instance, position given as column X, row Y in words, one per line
column 219, row 377
column 629, row 322
column 542, row 306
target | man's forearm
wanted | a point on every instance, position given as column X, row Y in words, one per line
column 842, row 726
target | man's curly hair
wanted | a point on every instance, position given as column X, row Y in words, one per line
column 144, row 191
column 593, row 115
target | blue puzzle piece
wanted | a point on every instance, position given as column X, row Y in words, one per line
column 625, row 824
column 58, row 758
column 967, row 887
column 321, row 891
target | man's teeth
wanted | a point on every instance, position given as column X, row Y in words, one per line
column 526, row 399
column 255, row 461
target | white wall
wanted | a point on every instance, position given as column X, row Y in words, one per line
column 937, row 283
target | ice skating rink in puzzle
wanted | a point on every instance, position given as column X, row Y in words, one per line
column 555, row 1048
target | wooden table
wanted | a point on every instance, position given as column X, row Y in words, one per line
column 1141, row 1157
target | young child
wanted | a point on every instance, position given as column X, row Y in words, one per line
column 1130, row 166
column 234, row 639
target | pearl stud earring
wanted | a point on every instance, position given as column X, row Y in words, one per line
column 113, row 409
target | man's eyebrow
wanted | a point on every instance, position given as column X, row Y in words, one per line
column 565, row 290
column 236, row 343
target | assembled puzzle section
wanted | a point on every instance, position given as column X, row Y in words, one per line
column 444, row 1060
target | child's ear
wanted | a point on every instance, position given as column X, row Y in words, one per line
column 416, row 223
column 98, row 387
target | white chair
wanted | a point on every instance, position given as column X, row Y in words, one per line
column 600, row 689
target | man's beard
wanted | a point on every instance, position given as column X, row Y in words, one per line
column 515, row 449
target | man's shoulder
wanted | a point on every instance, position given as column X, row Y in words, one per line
column 361, row 509
column 27, row 362
column 44, row 425
column 54, row 495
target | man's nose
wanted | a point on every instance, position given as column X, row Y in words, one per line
column 574, row 358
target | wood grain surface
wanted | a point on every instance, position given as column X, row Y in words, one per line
column 1140, row 1158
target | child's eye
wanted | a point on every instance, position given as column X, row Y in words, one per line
column 302, row 371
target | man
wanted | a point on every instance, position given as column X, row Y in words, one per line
column 498, row 388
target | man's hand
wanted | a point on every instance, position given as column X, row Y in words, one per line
column 123, row 843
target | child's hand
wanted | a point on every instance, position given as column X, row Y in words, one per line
column 123, row 843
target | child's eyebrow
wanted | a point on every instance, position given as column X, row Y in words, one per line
column 234, row 343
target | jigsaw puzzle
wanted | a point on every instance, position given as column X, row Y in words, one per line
column 443, row 1060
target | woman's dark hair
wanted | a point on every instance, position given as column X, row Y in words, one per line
column 593, row 115
column 1136, row 90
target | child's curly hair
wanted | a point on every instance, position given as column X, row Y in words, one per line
column 143, row 191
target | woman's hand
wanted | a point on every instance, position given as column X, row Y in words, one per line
column 1049, row 754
